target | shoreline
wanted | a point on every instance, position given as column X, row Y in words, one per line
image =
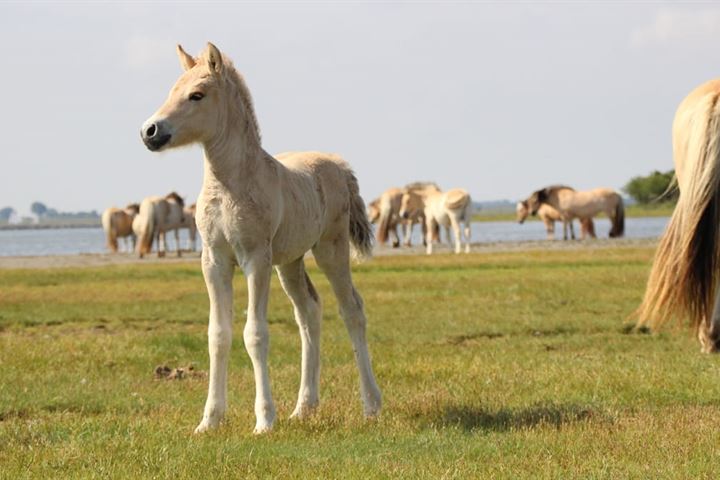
column 107, row 259
column 48, row 226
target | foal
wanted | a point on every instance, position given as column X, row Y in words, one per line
column 256, row 212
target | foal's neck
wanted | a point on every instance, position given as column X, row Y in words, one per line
column 233, row 159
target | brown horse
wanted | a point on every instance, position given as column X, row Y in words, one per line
column 585, row 204
column 549, row 216
column 683, row 283
column 117, row 223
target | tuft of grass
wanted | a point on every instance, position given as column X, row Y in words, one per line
column 497, row 365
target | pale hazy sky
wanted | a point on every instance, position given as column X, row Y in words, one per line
column 496, row 97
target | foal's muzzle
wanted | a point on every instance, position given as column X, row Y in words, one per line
column 155, row 135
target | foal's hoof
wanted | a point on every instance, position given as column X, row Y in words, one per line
column 262, row 429
column 205, row 427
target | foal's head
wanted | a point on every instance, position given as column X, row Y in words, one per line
column 410, row 204
column 207, row 97
column 522, row 211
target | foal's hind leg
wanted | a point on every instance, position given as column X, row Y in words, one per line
column 456, row 230
column 308, row 314
column 333, row 258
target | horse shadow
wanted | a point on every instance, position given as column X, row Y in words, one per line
column 470, row 418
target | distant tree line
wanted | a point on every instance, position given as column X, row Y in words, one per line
column 42, row 211
column 656, row 187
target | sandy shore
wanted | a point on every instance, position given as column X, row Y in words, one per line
column 100, row 260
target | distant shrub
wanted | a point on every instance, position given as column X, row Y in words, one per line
column 652, row 188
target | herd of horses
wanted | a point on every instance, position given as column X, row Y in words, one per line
column 147, row 223
column 423, row 203
column 258, row 212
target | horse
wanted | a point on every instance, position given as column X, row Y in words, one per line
column 117, row 223
column 255, row 212
column 156, row 217
column 189, row 223
column 448, row 209
column 683, row 282
column 586, row 204
column 549, row 216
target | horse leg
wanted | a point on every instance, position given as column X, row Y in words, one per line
column 333, row 258
column 218, row 273
column 430, row 228
column 308, row 315
column 572, row 230
column 456, row 231
column 160, row 241
column 709, row 332
column 177, row 242
column 256, row 335
column 550, row 229
column 407, row 233
column 467, row 236
column 395, row 237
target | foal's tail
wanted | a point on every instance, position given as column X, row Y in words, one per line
column 618, row 219
column 110, row 232
column 684, row 275
column 146, row 222
column 361, row 236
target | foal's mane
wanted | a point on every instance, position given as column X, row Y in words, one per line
column 420, row 186
column 134, row 207
column 237, row 83
column 177, row 198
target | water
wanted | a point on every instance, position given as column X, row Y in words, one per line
column 73, row 241
column 64, row 241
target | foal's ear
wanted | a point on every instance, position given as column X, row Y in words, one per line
column 186, row 61
column 214, row 58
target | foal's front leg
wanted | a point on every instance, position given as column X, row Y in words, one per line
column 258, row 270
column 218, row 272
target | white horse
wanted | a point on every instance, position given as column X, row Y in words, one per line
column 448, row 209
column 157, row 216
column 683, row 283
column 256, row 211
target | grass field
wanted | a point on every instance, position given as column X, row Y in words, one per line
column 500, row 365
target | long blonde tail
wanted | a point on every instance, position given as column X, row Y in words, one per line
column 684, row 275
column 147, row 227
column 110, row 231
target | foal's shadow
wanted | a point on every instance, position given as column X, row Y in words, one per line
column 471, row 418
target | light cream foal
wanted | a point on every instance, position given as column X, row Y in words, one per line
column 448, row 209
column 256, row 212
column 573, row 204
column 549, row 216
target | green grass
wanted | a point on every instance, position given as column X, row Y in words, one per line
column 505, row 365
column 632, row 211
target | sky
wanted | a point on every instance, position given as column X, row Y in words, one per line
column 499, row 98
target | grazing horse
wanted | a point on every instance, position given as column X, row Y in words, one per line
column 117, row 223
column 572, row 204
column 255, row 211
column 683, row 283
column 549, row 216
column 448, row 209
column 157, row 216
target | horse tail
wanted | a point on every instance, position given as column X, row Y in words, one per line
column 683, row 279
column 146, row 220
column 361, row 236
column 618, row 219
column 386, row 214
column 110, row 231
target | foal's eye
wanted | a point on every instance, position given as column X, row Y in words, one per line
column 197, row 96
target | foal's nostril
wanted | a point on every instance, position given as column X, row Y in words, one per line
column 151, row 131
